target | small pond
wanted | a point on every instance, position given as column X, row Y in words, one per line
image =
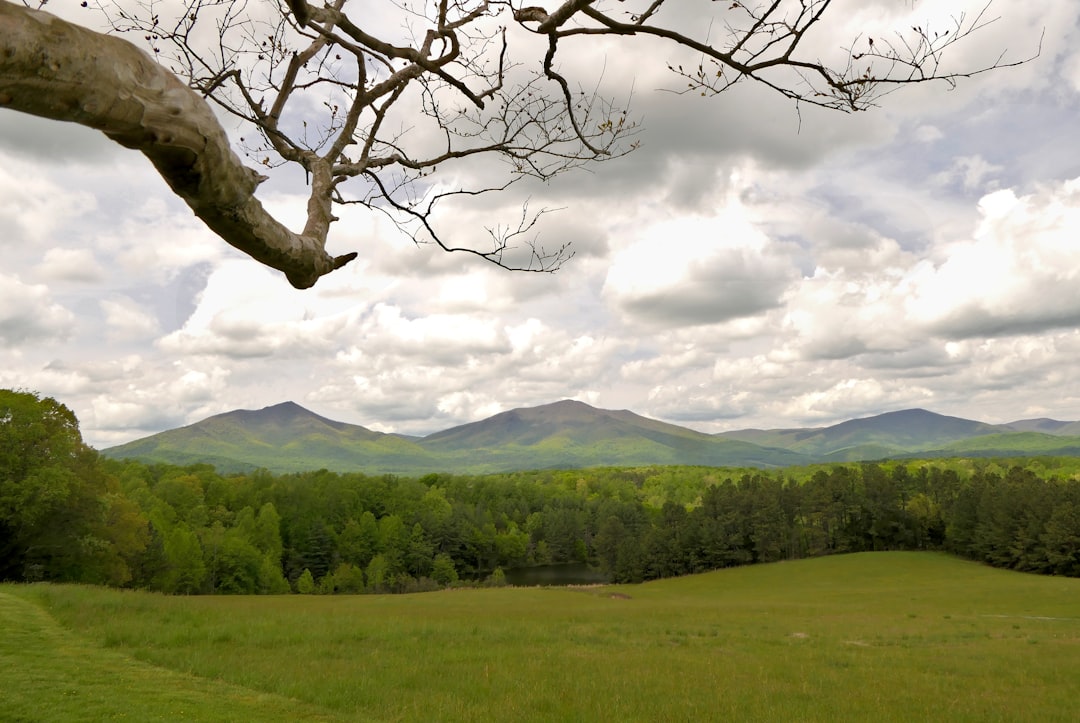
column 577, row 573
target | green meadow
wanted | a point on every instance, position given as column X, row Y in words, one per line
column 872, row 636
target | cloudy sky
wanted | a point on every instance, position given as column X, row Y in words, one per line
column 748, row 266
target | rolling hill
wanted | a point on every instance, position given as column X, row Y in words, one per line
column 288, row 438
column 282, row 438
column 1046, row 426
column 1010, row 444
column 571, row 434
column 574, row 434
column 875, row 437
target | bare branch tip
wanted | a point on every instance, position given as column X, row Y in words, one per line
column 340, row 261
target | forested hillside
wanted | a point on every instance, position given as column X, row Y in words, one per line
column 563, row 435
column 68, row 514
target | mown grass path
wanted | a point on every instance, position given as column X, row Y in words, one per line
column 49, row 674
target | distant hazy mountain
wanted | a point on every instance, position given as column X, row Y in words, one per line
column 1013, row 444
column 289, row 438
column 872, row 437
column 564, row 423
column 1046, row 426
column 568, row 434
column 574, row 434
column 282, row 438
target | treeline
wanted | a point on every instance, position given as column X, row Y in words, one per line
column 1012, row 519
column 66, row 514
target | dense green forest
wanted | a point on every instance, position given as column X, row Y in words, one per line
column 67, row 514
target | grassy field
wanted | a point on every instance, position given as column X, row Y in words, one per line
column 881, row 636
column 51, row 674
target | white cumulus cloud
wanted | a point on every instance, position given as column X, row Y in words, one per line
column 27, row 312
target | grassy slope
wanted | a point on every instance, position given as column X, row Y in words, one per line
column 48, row 673
column 885, row 636
column 1015, row 444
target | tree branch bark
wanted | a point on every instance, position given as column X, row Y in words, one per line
column 54, row 69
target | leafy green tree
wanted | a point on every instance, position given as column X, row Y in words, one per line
column 435, row 515
column 62, row 517
column 998, row 522
column 267, row 533
column 233, row 564
column 359, row 540
column 724, row 528
column 961, row 515
column 443, row 570
column 833, row 506
column 182, row 490
column 401, row 582
column 149, row 565
column 512, row 546
column 619, row 551
column 1028, row 546
column 348, row 578
column 125, row 532
column 562, row 528
column 665, row 553
column 313, row 548
column 768, row 527
column 185, row 570
column 928, row 525
column 630, row 561
column 305, row 584
column 609, row 536
column 327, row 585
column 888, row 526
column 377, row 574
column 393, row 542
column 244, row 523
column 271, row 579
column 1062, row 540
column 497, row 578
column 38, row 440
column 479, row 552
column 419, row 553
column 541, row 555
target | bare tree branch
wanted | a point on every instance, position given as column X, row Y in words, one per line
column 55, row 69
column 404, row 100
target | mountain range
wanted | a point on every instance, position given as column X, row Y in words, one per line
column 570, row 434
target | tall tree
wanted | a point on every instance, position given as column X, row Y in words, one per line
column 267, row 534
column 185, row 571
column 61, row 515
column 1062, row 539
column 410, row 90
column 725, row 532
column 359, row 541
column 419, row 552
